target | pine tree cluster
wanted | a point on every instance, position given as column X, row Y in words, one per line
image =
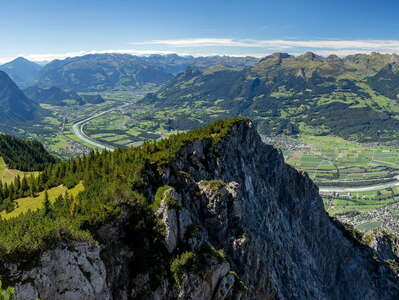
column 24, row 155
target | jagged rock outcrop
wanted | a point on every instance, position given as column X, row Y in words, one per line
column 68, row 272
column 239, row 224
column 216, row 283
column 386, row 246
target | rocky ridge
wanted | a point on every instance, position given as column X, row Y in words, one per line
column 238, row 223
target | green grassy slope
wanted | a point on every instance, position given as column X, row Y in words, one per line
column 8, row 175
column 286, row 94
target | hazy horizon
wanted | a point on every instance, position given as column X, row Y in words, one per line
column 56, row 30
column 260, row 56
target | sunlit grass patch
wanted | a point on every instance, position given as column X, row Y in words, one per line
column 25, row 204
column 8, row 175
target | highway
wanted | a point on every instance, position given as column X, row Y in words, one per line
column 377, row 187
column 78, row 128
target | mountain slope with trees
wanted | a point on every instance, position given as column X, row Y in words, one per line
column 52, row 95
column 14, row 105
column 21, row 155
column 353, row 97
column 60, row 97
column 100, row 72
column 111, row 71
column 24, row 155
column 175, row 64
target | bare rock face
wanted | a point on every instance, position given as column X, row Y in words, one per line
column 224, row 287
column 270, row 221
column 386, row 246
column 244, row 225
column 216, row 283
column 68, row 272
column 170, row 219
column 175, row 219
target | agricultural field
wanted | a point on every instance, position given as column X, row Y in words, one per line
column 358, row 202
column 385, row 217
column 331, row 161
column 354, row 178
column 131, row 126
column 55, row 130
column 139, row 122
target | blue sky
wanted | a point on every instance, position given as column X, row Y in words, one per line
column 48, row 29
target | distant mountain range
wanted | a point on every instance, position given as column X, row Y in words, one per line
column 175, row 64
column 19, row 110
column 101, row 72
column 354, row 97
column 105, row 72
column 23, row 72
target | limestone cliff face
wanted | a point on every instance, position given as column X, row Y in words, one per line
column 237, row 196
column 73, row 271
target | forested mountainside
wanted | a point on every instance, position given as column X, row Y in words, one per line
column 14, row 105
column 207, row 214
column 175, row 64
column 19, row 162
column 112, row 71
column 101, row 72
column 52, row 95
column 24, row 155
column 122, row 71
column 353, row 97
column 60, row 97
column 23, row 72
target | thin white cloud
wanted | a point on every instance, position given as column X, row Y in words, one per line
column 344, row 52
column 195, row 42
column 52, row 56
column 4, row 60
column 234, row 47
column 361, row 45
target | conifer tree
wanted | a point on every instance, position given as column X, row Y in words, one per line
column 24, row 185
column 17, row 183
column 74, row 207
column 1, row 191
column 46, row 204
